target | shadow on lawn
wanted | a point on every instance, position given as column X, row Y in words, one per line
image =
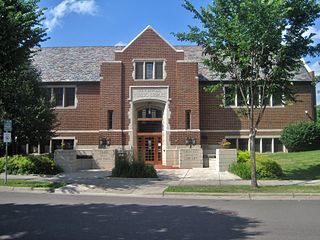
column 132, row 221
column 311, row 173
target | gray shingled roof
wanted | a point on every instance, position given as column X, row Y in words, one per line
column 80, row 64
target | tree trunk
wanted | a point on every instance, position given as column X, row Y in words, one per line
column 252, row 138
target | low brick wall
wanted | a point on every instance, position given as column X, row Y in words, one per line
column 224, row 158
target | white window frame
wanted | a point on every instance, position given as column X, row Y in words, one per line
column 260, row 142
column 236, row 100
column 63, row 96
column 144, row 61
column 62, row 141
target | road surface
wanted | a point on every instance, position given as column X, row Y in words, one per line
column 54, row 216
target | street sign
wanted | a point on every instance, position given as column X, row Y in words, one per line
column 7, row 125
column 7, row 137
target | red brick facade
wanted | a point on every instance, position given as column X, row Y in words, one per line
column 88, row 121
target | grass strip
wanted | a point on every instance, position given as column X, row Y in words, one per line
column 32, row 184
column 246, row 189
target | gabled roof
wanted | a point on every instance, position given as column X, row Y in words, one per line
column 141, row 33
column 82, row 64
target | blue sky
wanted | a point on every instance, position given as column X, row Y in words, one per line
column 112, row 22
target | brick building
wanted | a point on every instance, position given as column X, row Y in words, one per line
column 149, row 97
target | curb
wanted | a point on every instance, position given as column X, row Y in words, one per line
column 247, row 196
column 26, row 189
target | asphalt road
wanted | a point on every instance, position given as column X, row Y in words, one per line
column 54, row 216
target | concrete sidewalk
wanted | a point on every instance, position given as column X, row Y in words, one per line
column 100, row 181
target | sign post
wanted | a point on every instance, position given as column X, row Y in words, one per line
column 7, row 127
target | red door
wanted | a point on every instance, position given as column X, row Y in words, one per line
column 150, row 147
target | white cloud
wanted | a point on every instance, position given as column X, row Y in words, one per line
column 120, row 44
column 313, row 30
column 56, row 14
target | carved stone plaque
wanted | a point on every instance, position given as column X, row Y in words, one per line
column 149, row 93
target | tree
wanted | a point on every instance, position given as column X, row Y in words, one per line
column 21, row 95
column 255, row 45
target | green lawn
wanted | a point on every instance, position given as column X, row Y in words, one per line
column 299, row 165
column 33, row 184
column 245, row 189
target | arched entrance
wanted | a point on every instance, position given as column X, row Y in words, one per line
column 149, row 133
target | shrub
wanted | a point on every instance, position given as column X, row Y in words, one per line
column 126, row 166
column 243, row 156
column 301, row 136
column 30, row 164
column 266, row 167
column 242, row 169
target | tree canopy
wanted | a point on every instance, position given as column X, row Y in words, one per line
column 21, row 95
column 256, row 45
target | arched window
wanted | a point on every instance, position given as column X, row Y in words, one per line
column 150, row 113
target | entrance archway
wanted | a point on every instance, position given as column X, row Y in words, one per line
column 149, row 133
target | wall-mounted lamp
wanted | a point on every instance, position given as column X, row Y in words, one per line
column 104, row 142
column 190, row 142
column 308, row 115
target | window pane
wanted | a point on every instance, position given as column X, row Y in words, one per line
column 266, row 144
column 159, row 70
column 188, row 119
column 58, row 96
column 278, row 146
column 110, row 118
column 240, row 100
column 68, row 144
column 230, row 95
column 149, row 70
column 47, row 93
column 257, row 145
column 139, row 70
column 69, row 98
column 277, row 99
column 233, row 142
column 243, row 144
column 256, row 100
column 266, row 100
column 56, row 144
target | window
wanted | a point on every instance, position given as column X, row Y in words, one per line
column 58, row 97
column 229, row 96
column 261, row 144
column 266, row 145
column 234, row 98
column 278, row 146
column 69, row 99
column 233, row 142
column 65, row 144
column 149, row 70
column 61, row 96
column 277, row 99
column 243, row 144
column 110, row 116
column 188, row 119
column 139, row 70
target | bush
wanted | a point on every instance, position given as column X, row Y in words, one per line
column 266, row 167
column 301, row 136
column 242, row 169
column 30, row 164
column 126, row 166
